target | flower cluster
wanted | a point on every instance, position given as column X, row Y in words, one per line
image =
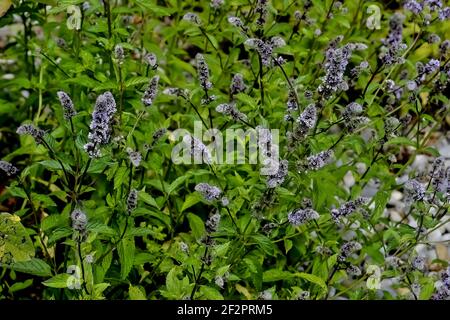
column 230, row 109
column 132, row 200
column 335, row 65
column 197, row 149
column 151, row 60
column 192, row 18
column 237, row 84
column 347, row 208
column 414, row 191
column 79, row 220
column 100, row 128
column 29, row 129
column 212, row 224
column 317, row 161
column 203, row 72
column 265, row 48
column 298, row 217
column 443, row 286
column 67, row 104
column 8, row 168
column 305, row 122
column 348, row 249
column 134, row 156
column 150, row 92
column 277, row 179
column 209, row 192
column 393, row 44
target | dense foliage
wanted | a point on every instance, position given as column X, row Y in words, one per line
column 93, row 96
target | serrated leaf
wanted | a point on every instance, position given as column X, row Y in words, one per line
column 126, row 249
column 33, row 266
column 196, row 224
column 58, row 281
column 16, row 244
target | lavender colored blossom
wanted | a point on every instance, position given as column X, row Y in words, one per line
column 230, row 109
column 219, row 281
column 235, row 21
column 197, row 149
column 348, row 249
column 150, row 92
column 308, row 118
column 444, row 47
column 266, row 295
column 354, row 271
column 89, row 258
column 209, row 192
column 203, row 72
column 29, row 129
column 292, row 101
column 100, row 130
column 176, row 92
column 413, row 6
column 151, row 59
column 212, row 224
column 237, row 84
column 298, row 217
column 119, row 53
column 335, row 65
column 8, row 168
column 433, row 38
column 317, row 161
column 393, row 43
column 261, row 11
column 303, row 124
column 443, row 286
column 444, row 14
column 278, row 178
column 351, row 110
column 216, row 4
column 67, row 104
column 414, row 191
column 132, row 200
column 265, row 48
column 79, row 220
column 158, row 134
column 418, row 263
column 347, row 208
column 433, row 4
column 134, row 156
column 184, row 247
column 192, row 17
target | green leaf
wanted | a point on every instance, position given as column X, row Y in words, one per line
column 312, row 278
column 34, row 266
column 15, row 242
column 58, row 281
column 196, row 224
column 209, row 293
column 20, row 285
column 279, row 275
column 191, row 199
column 136, row 81
column 176, row 183
column 148, row 199
column 54, row 165
column 136, row 293
column 120, row 177
column 126, row 251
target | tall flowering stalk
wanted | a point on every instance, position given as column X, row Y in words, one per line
column 100, row 128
